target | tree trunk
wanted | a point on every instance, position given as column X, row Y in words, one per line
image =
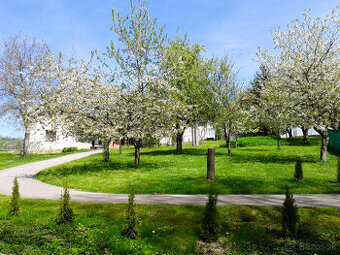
column 179, row 142
column 120, row 146
column 137, row 155
column 25, row 148
column 278, row 137
column 227, row 138
column 229, row 143
column 211, row 164
column 305, row 133
column 137, row 144
column 236, row 138
column 324, row 143
column 106, row 150
column 290, row 134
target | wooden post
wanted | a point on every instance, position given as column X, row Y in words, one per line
column 211, row 163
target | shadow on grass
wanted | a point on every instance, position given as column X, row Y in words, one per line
column 185, row 151
column 97, row 166
column 274, row 157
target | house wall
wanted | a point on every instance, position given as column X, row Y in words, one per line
column 202, row 133
column 39, row 143
column 298, row 132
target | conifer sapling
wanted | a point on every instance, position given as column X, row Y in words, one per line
column 210, row 225
column 130, row 228
column 65, row 213
column 15, row 200
column 290, row 217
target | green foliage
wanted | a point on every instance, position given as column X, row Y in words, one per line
column 65, row 213
column 130, row 228
column 338, row 171
column 15, row 199
column 298, row 170
column 69, row 149
column 210, row 225
column 290, row 217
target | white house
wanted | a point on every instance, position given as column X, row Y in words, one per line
column 298, row 132
column 49, row 139
column 197, row 135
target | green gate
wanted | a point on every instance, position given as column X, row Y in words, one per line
column 334, row 140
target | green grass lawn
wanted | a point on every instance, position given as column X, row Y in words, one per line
column 14, row 159
column 97, row 230
column 256, row 167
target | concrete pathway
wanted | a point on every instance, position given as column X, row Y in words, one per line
column 32, row 188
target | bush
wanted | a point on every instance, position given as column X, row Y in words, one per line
column 338, row 172
column 298, row 170
column 15, row 200
column 130, row 228
column 65, row 213
column 70, row 149
column 290, row 217
column 210, row 226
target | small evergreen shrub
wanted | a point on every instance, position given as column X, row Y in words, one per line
column 65, row 213
column 338, row 172
column 298, row 170
column 130, row 228
column 290, row 217
column 70, row 149
column 210, row 225
column 15, row 200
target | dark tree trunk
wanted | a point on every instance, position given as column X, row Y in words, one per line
column 211, row 164
column 106, row 150
column 179, row 141
column 290, row 134
column 227, row 138
column 120, row 146
column 137, row 144
column 236, row 138
column 305, row 133
column 229, row 143
column 137, row 155
column 25, row 148
column 324, row 143
column 278, row 137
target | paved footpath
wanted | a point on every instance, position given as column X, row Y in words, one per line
column 32, row 188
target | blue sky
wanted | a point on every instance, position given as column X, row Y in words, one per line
column 236, row 28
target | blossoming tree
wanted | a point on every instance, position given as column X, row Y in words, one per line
column 308, row 65
column 26, row 81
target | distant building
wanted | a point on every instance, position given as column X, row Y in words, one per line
column 298, row 132
column 199, row 134
column 49, row 139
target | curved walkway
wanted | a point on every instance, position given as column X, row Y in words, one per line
column 32, row 188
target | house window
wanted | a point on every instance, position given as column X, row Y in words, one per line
column 51, row 136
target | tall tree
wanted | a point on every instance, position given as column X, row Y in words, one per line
column 26, row 77
column 308, row 64
column 188, row 75
column 274, row 109
column 142, row 104
column 87, row 106
column 230, row 114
